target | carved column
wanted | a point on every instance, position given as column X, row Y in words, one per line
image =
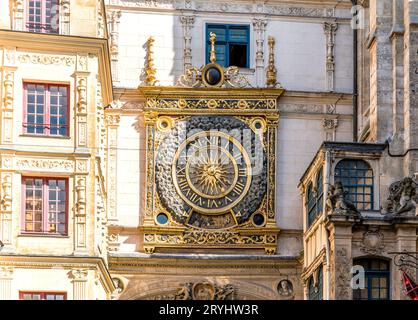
column 65, row 17
column 330, row 126
column 6, row 208
column 79, row 279
column 6, row 277
column 18, row 15
column 187, row 23
column 81, row 112
column 113, row 20
column 260, row 28
column 112, row 122
column 80, row 215
column 340, row 238
column 330, row 28
column 7, row 103
column 272, row 124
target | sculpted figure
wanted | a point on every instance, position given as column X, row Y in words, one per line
column 403, row 196
column 338, row 200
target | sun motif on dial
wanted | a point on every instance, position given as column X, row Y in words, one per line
column 211, row 172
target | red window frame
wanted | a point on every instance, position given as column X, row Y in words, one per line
column 46, row 109
column 45, row 206
column 43, row 294
column 44, row 26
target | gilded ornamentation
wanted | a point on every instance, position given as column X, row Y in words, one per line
column 46, row 59
column 6, row 199
column 271, row 75
column 403, row 197
column 233, row 104
column 150, row 70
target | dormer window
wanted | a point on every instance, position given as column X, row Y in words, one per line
column 42, row 16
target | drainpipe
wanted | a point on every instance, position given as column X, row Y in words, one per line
column 355, row 82
column 327, row 244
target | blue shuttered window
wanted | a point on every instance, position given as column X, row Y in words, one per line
column 232, row 44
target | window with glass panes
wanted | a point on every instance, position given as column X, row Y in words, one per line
column 356, row 177
column 42, row 296
column 42, row 16
column 310, row 204
column 45, row 205
column 232, row 44
column 377, row 280
column 46, row 109
column 315, row 292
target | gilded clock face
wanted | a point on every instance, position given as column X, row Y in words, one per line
column 211, row 172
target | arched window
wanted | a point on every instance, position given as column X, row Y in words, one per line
column 314, row 199
column 356, row 177
column 315, row 290
column 310, row 204
column 376, row 280
column 319, row 192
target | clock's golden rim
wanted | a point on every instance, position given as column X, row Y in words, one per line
column 244, row 156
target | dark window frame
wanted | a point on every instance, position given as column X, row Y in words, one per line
column 227, row 42
column 373, row 274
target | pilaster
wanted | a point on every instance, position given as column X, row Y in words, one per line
column 79, row 280
column 330, row 29
column 260, row 28
column 187, row 22
column 6, row 277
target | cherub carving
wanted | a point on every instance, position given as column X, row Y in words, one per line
column 403, row 197
column 338, row 202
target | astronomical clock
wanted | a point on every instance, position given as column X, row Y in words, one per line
column 210, row 164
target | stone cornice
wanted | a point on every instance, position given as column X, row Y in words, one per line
column 52, row 43
column 47, row 262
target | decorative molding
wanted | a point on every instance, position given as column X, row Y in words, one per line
column 330, row 28
column 301, row 108
column 79, row 274
column 342, row 274
column 112, row 123
column 330, row 126
column 223, row 7
column 373, row 241
column 113, row 242
column 187, row 22
column 7, row 106
column 46, row 59
column 150, row 71
column 18, row 14
column 100, row 20
column 44, row 165
column 6, row 272
column 260, row 28
column 6, row 198
column 65, row 17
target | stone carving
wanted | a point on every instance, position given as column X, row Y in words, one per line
column 18, row 14
column 119, row 286
column 302, row 108
column 113, row 242
column 285, row 288
column 403, row 197
column 82, row 95
column 46, row 59
column 6, row 272
column 113, row 20
column 199, row 291
column 342, row 274
column 187, row 23
column 259, row 28
column 372, row 241
column 330, row 124
column 330, row 29
column 100, row 20
column 65, row 17
column 81, row 196
column 8, row 90
column 79, row 274
column 338, row 202
column 6, row 199
column 42, row 164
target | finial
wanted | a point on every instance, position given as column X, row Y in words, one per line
column 271, row 69
column 150, row 71
column 212, row 47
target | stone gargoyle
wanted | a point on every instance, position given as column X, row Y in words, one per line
column 338, row 202
column 403, row 198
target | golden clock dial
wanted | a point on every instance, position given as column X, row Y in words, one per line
column 211, row 172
